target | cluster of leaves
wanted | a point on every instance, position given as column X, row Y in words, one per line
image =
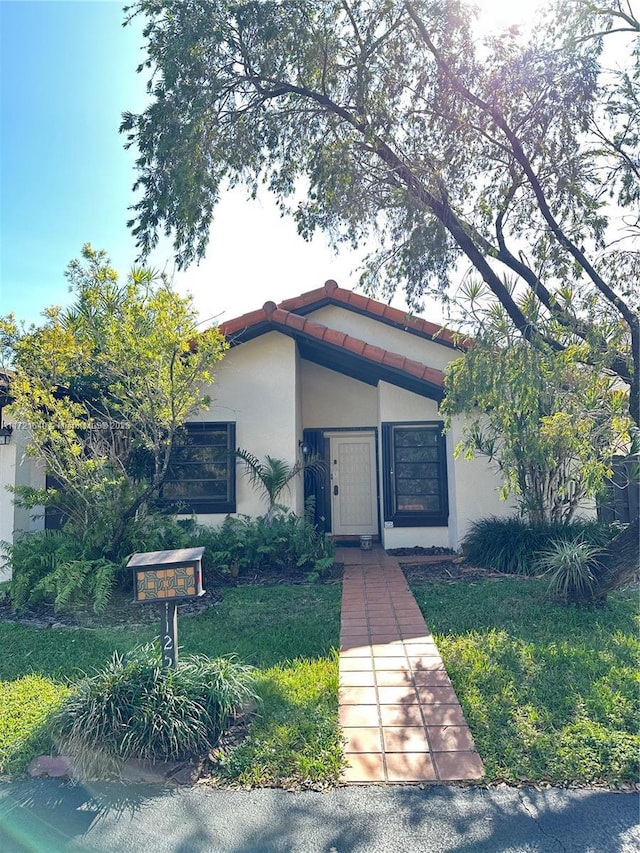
column 513, row 546
column 397, row 121
column 135, row 708
column 53, row 565
column 283, row 542
column 59, row 567
column 104, row 387
column 550, row 423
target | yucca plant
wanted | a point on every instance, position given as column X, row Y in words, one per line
column 136, row 708
column 571, row 567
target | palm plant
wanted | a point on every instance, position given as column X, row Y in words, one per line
column 272, row 476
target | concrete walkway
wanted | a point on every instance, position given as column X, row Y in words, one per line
column 397, row 708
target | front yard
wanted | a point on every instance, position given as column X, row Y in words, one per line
column 550, row 693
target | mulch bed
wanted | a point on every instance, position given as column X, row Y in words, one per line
column 122, row 611
column 448, row 571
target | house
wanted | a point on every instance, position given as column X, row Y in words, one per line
column 335, row 374
column 329, row 373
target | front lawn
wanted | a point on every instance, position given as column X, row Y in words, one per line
column 289, row 632
column 549, row 692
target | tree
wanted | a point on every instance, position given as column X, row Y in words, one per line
column 550, row 424
column 104, row 387
column 386, row 116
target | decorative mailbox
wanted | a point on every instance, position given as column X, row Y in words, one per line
column 164, row 576
column 167, row 577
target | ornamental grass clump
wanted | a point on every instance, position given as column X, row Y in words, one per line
column 572, row 568
column 136, row 708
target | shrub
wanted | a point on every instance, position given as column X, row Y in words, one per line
column 53, row 565
column 135, row 708
column 284, row 543
column 572, row 568
column 511, row 545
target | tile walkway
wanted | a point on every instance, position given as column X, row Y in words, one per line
column 397, row 708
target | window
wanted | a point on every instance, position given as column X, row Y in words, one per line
column 201, row 476
column 415, row 474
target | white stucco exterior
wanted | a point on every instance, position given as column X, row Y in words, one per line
column 273, row 394
column 288, row 376
column 17, row 469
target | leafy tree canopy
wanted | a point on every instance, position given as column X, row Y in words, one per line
column 549, row 423
column 104, row 387
column 387, row 117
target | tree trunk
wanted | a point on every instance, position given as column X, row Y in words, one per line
column 620, row 564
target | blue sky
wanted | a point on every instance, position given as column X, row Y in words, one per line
column 67, row 74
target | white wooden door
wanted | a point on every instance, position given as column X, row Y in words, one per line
column 354, row 510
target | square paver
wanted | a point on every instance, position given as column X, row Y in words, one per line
column 443, row 715
column 364, row 767
column 401, row 715
column 362, row 739
column 410, row 767
column 390, row 650
column 437, row 695
column 431, row 678
column 397, row 694
column 358, row 715
column 350, row 664
column 458, row 766
column 355, row 652
column 419, row 639
column 428, row 649
column 357, row 678
column 357, row 696
column 388, row 662
column 390, row 677
column 405, row 739
column 424, row 662
column 353, row 641
column 450, row 738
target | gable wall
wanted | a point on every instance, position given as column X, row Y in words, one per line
column 255, row 386
column 331, row 399
column 432, row 354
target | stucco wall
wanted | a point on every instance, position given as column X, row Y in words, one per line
column 255, row 386
column 17, row 469
column 396, row 340
column 476, row 486
column 330, row 399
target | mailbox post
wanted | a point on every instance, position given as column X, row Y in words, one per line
column 167, row 577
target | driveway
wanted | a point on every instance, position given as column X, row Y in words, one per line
column 48, row 816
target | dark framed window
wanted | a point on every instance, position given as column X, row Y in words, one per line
column 202, row 472
column 415, row 474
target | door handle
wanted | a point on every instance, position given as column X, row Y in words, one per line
column 335, row 490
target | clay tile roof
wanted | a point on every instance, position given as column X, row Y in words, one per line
column 283, row 316
column 331, row 292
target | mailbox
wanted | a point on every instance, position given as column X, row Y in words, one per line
column 165, row 576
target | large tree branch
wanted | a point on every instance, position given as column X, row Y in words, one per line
column 518, row 152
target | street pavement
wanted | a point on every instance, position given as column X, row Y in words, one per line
column 50, row 816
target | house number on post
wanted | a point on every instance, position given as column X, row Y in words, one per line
column 167, row 577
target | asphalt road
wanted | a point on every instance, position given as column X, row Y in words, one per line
column 47, row 816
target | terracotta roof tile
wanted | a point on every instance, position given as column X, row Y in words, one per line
column 238, row 324
column 284, row 316
column 332, row 292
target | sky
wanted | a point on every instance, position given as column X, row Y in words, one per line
column 67, row 72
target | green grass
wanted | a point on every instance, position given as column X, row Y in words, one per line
column 288, row 632
column 550, row 693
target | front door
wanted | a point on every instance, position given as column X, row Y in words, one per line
column 354, row 506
